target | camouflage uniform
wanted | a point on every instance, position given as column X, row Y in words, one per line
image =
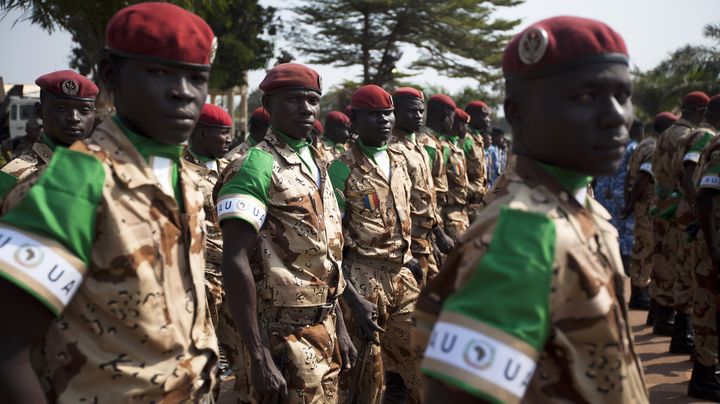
column 37, row 157
column 671, row 282
column 329, row 150
column 377, row 230
column 454, row 211
column 430, row 140
column 423, row 207
column 566, row 337
column 123, row 270
column 477, row 176
column 705, row 294
column 641, row 259
column 280, row 187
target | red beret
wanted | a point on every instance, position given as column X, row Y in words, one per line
column 371, row 97
column 261, row 114
column 665, row 118
column 408, row 92
column 462, row 115
column 559, row 44
column 479, row 105
column 212, row 115
column 443, row 99
column 337, row 117
column 318, row 126
column 161, row 32
column 291, row 76
column 697, row 98
column 68, row 84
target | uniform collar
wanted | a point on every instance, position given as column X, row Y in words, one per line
column 48, row 142
column 198, row 157
column 150, row 147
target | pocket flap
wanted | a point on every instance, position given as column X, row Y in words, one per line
column 299, row 296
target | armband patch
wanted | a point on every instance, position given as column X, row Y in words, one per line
column 243, row 207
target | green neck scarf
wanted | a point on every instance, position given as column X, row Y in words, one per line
column 295, row 144
column 569, row 180
column 150, row 147
column 371, row 151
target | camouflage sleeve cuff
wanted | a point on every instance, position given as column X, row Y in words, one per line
column 646, row 167
column 40, row 266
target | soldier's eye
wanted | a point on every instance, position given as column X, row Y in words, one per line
column 583, row 97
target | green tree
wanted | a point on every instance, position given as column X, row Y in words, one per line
column 242, row 28
column 457, row 37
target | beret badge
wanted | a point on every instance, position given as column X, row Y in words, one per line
column 533, row 45
column 70, row 87
column 213, row 49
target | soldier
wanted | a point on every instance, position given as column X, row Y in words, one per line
column 440, row 116
column 334, row 141
column 454, row 213
column 109, row 238
column 703, row 150
column 67, row 108
column 565, row 336
column 640, row 188
column 372, row 187
column 474, row 149
column 673, row 281
column 495, row 156
column 278, row 208
column 427, row 228
column 257, row 127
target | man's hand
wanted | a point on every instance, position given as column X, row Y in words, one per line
column 365, row 315
column 348, row 353
column 414, row 266
column 442, row 240
column 269, row 385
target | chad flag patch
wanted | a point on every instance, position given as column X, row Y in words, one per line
column 371, row 201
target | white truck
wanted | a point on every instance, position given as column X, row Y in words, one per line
column 17, row 108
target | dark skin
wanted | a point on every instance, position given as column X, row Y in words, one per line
column 337, row 132
column 440, row 117
column 292, row 112
column 460, row 128
column 712, row 118
column 143, row 85
column 210, row 141
column 578, row 120
column 480, row 119
column 65, row 120
column 258, row 129
column 409, row 114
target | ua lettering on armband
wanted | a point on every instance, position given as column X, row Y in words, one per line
column 40, row 266
column 692, row 156
column 471, row 354
column 244, row 207
column 711, row 181
column 647, row 167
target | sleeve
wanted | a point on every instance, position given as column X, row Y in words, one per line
column 46, row 239
column 432, row 153
column 488, row 337
column 697, row 146
column 245, row 195
column 339, row 173
column 710, row 176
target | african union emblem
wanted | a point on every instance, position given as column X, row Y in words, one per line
column 29, row 256
column 479, row 354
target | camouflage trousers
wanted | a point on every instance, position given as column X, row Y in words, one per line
column 395, row 292
column 661, row 273
column 456, row 221
column 680, row 255
column 705, row 305
column 308, row 355
column 422, row 250
column 428, row 265
column 229, row 339
column 642, row 252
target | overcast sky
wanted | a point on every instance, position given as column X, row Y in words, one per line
column 651, row 28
